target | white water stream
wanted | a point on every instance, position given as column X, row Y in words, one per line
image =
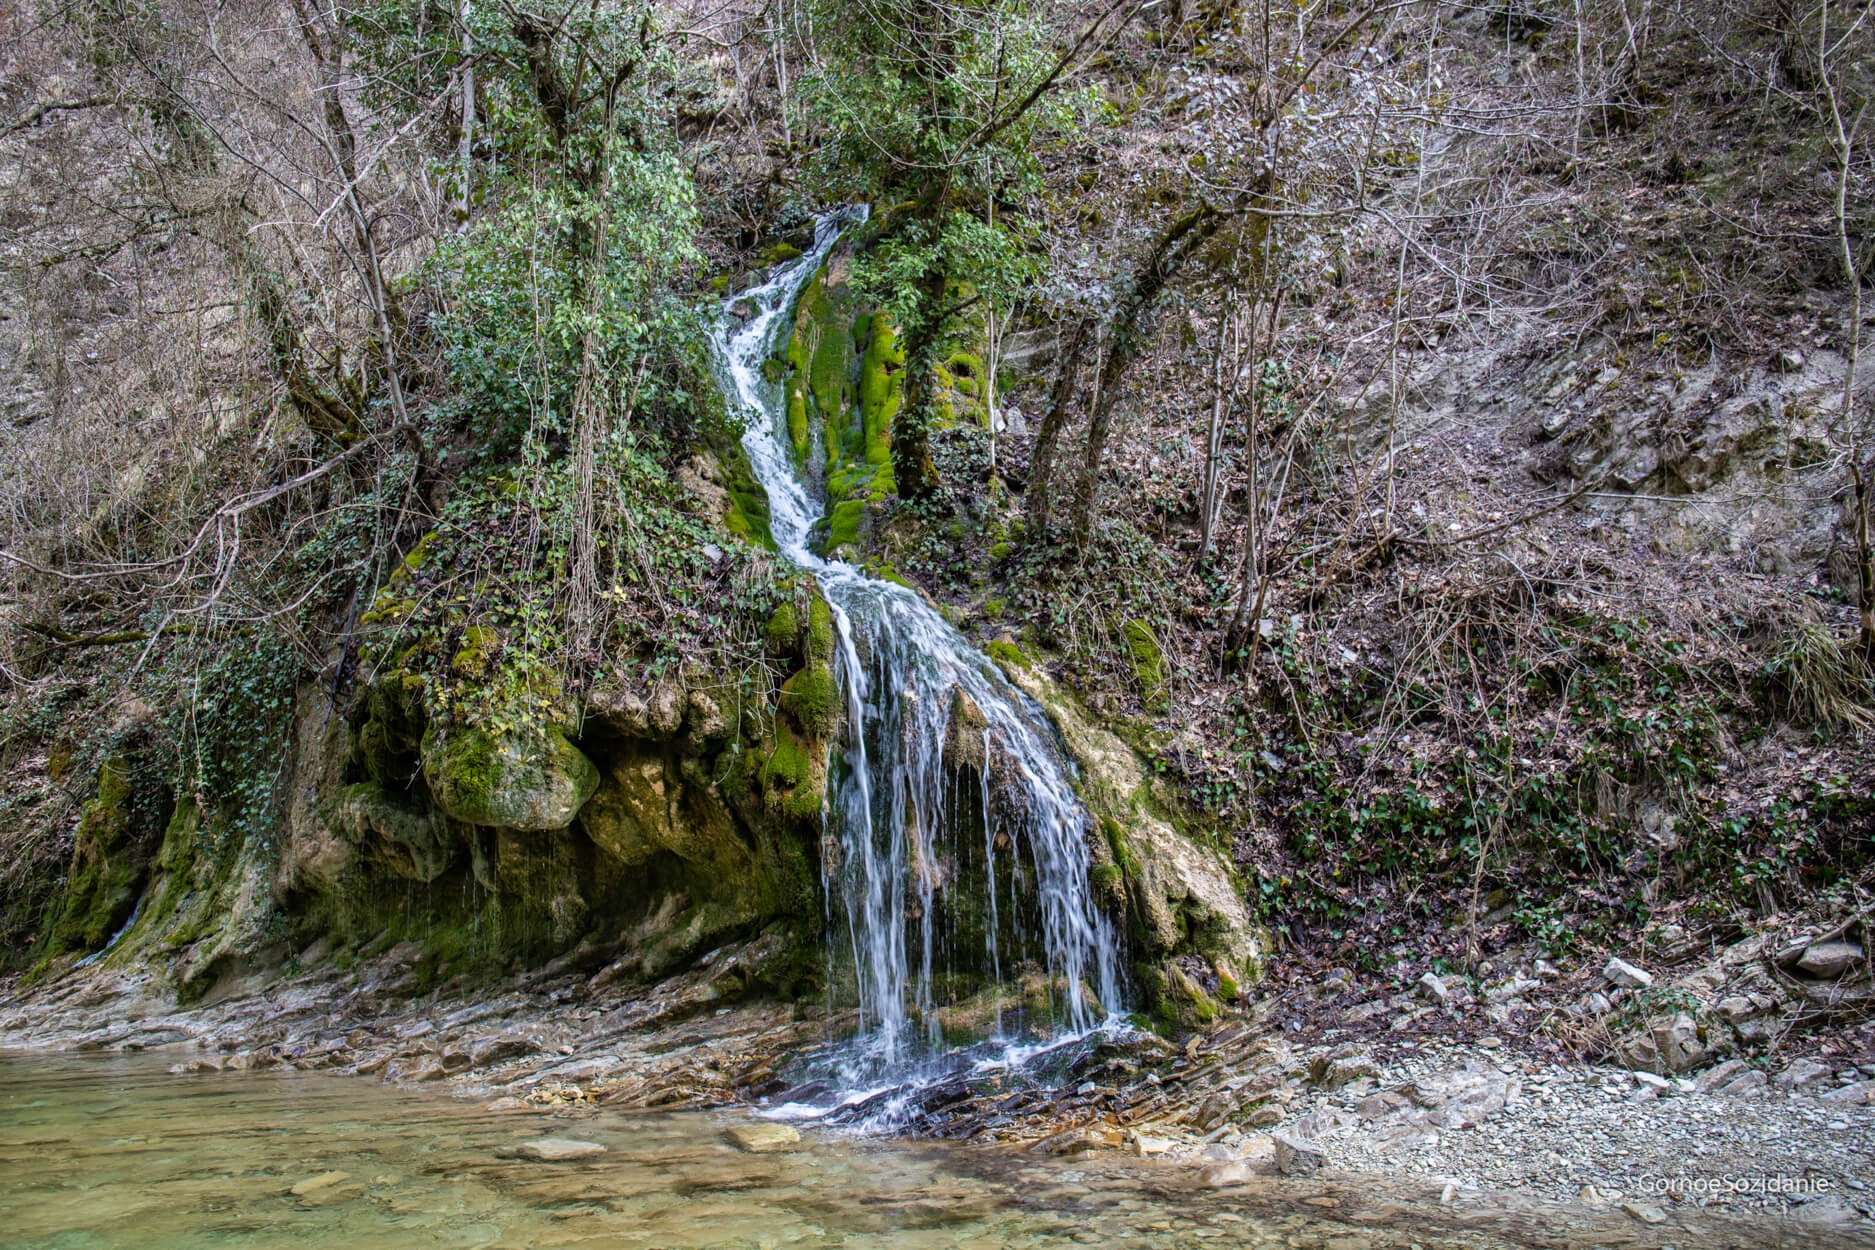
column 893, row 807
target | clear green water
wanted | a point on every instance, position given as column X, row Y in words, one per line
column 108, row 1152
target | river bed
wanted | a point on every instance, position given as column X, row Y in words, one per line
column 106, row 1151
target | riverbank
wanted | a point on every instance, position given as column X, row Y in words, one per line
column 1489, row 1133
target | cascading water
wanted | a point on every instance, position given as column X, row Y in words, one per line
column 897, row 814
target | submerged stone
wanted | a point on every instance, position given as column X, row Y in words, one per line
column 555, row 1150
column 762, row 1138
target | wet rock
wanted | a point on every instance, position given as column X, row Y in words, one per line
column 762, row 1138
column 525, row 779
column 1227, row 1174
column 1297, row 1156
column 1624, row 974
column 509, row 1103
column 313, row 1184
column 554, row 1150
column 502, row 1046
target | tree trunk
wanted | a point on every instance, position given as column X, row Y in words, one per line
column 1166, row 257
column 912, row 470
column 1048, row 436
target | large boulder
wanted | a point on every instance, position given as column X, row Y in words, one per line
column 525, row 778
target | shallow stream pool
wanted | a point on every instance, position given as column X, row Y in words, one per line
column 115, row 1151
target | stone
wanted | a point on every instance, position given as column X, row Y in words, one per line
column 1297, row 1156
column 1857, row 1094
column 313, row 1184
column 1800, row 1073
column 1749, row 1082
column 1790, row 360
column 1718, row 1075
column 1147, row 1147
column 1624, row 974
column 555, row 1150
column 1379, row 1106
column 504, row 1046
column 1433, row 986
column 1647, row 1080
column 1736, row 1009
column 762, row 1138
column 509, row 1103
column 1667, row 1044
column 528, row 778
column 1342, row 1066
column 1225, row 1175
column 1463, row 1098
column 1645, row 1212
column 1828, row 961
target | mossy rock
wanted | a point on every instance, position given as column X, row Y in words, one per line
column 812, row 698
column 108, row 865
column 783, row 631
column 525, row 778
column 794, row 780
column 1182, row 895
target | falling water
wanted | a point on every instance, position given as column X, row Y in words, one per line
column 897, row 813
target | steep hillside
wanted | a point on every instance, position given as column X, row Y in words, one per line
column 1419, row 455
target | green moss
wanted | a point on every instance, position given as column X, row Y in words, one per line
column 994, row 608
column 783, row 630
column 524, row 777
column 781, row 253
column 1148, row 660
column 1007, row 654
column 843, row 522
column 881, row 390
column 1000, row 551
column 819, row 631
column 720, row 284
column 107, row 872
column 479, row 644
column 812, row 698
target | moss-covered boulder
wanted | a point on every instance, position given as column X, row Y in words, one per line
column 529, row 777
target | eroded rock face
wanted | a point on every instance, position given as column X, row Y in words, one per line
column 1182, row 897
column 528, row 778
column 643, row 806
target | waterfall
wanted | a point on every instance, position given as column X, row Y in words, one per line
column 895, row 812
